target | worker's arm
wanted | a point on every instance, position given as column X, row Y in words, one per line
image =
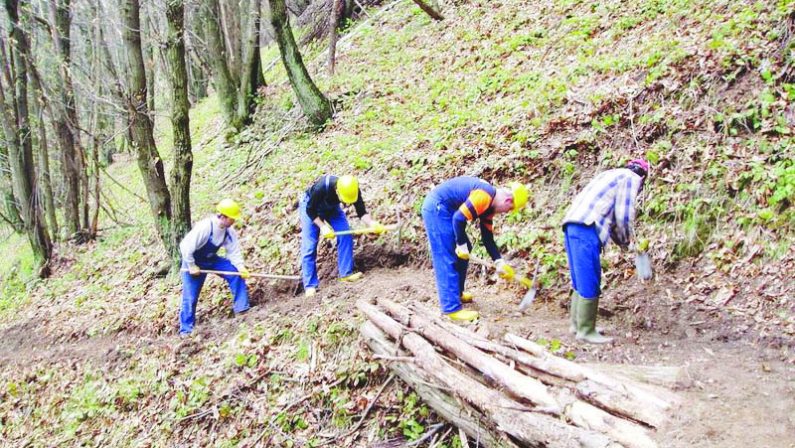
column 316, row 194
column 624, row 210
column 487, row 236
column 233, row 251
column 196, row 238
column 361, row 211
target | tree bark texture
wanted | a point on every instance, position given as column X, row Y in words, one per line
column 334, row 21
column 223, row 81
column 141, row 128
column 21, row 149
column 314, row 104
column 251, row 78
column 180, row 122
column 66, row 112
column 44, row 181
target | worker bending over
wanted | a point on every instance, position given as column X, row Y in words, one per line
column 322, row 215
column 199, row 251
column 446, row 211
column 604, row 209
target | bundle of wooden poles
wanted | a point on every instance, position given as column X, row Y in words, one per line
column 513, row 393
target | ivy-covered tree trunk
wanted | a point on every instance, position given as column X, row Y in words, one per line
column 141, row 127
column 183, row 157
column 21, row 148
column 224, row 82
column 314, row 104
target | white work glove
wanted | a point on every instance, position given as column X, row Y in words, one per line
column 504, row 270
column 193, row 270
column 462, row 251
column 326, row 232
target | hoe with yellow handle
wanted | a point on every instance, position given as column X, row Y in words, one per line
column 361, row 231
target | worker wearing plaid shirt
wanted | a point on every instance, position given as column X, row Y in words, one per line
column 604, row 210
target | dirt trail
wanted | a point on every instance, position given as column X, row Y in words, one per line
column 736, row 393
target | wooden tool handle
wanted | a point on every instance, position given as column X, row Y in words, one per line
column 274, row 276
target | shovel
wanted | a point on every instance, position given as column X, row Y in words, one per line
column 643, row 266
column 273, row 276
column 362, row 231
column 643, row 261
column 530, row 296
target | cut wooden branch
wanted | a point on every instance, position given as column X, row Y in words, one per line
column 624, row 398
column 517, row 384
column 454, row 411
column 578, row 412
column 508, row 415
column 423, row 4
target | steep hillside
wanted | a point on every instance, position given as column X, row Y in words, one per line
column 546, row 92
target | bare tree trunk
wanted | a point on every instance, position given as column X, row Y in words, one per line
column 314, row 104
column 21, row 149
column 141, row 127
column 231, row 27
column 334, row 21
column 223, row 81
column 251, row 78
column 67, row 139
column 45, row 184
column 183, row 157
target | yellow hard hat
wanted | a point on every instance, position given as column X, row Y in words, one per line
column 229, row 208
column 348, row 189
column 520, row 195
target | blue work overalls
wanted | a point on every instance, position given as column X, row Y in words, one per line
column 450, row 271
column 206, row 257
column 583, row 250
column 310, row 234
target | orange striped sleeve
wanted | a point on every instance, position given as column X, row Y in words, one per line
column 476, row 204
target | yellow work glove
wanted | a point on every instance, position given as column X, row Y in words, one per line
column 504, row 270
column 462, row 251
column 377, row 227
column 194, row 270
column 327, row 232
column 244, row 274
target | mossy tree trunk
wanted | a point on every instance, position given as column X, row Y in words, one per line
column 314, row 104
column 251, row 78
column 21, row 147
column 224, row 82
column 141, row 127
column 180, row 122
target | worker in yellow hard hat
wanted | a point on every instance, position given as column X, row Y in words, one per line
column 199, row 251
column 322, row 215
column 446, row 211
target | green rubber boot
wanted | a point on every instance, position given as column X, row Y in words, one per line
column 586, row 322
column 575, row 302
